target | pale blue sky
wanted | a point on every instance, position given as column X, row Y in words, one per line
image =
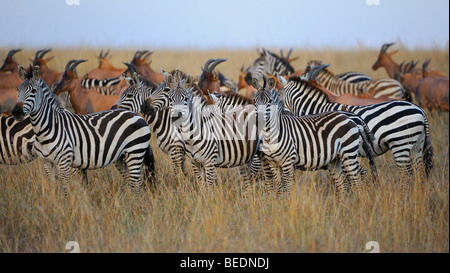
column 223, row 24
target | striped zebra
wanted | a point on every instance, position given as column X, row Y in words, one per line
column 325, row 141
column 226, row 140
column 398, row 126
column 353, row 77
column 103, row 86
column 168, row 137
column 16, row 141
column 380, row 87
column 66, row 140
column 268, row 63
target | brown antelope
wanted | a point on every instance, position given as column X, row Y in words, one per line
column 213, row 81
column 430, row 92
column 142, row 64
column 105, row 68
column 83, row 101
column 8, row 76
column 426, row 72
column 8, row 99
column 385, row 60
column 49, row 76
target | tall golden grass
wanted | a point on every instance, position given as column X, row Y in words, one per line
column 177, row 217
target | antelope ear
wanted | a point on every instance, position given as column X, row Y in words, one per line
column 256, row 84
column 36, row 73
column 22, row 73
column 270, row 83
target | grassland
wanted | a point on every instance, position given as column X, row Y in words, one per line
column 104, row 217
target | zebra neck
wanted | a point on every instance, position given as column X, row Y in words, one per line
column 42, row 118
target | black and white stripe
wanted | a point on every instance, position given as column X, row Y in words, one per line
column 16, row 141
column 67, row 141
column 168, row 137
column 398, row 126
column 212, row 140
column 379, row 87
column 103, row 86
column 353, row 77
column 325, row 141
column 268, row 63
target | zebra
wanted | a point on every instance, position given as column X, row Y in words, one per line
column 226, row 140
column 380, row 87
column 268, row 63
column 398, row 126
column 329, row 140
column 16, row 141
column 353, row 77
column 168, row 137
column 66, row 140
column 103, row 86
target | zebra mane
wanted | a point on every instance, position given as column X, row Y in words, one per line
column 196, row 93
column 290, row 69
column 50, row 96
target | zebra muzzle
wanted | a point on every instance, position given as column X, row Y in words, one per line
column 17, row 112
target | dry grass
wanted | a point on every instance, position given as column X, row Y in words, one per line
column 104, row 217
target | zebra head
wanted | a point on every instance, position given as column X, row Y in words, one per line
column 180, row 96
column 30, row 92
column 266, row 100
column 159, row 99
column 133, row 97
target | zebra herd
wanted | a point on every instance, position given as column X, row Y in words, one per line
column 267, row 137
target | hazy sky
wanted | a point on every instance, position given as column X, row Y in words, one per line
column 212, row 24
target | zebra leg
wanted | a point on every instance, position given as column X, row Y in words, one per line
column 246, row 175
column 177, row 156
column 64, row 171
column 335, row 169
column 352, row 170
column 50, row 172
column 268, row 174
column 133, row 163
column 287, row 176
column 404, row 163
column 210, row 173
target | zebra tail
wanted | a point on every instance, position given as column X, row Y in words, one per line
column 149, row 167
column 368, row 138
column 427, row 149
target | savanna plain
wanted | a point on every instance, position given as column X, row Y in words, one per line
column 178, row 217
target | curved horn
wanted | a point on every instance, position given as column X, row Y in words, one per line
column 43, row 52
column 216, row 62
column 289, row 53
column 74, row 64
column 147, row 55
column 106, row 53
column 208, row 62
column 386, row 46
column 315, row 70
column 425, row 64
column 69, row 63
column 12, row 52
column 281, row 53
column 130, row 68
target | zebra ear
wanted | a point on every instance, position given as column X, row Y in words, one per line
column 256, row 84
column 135, row 78
column 270, row 83
column 189, row 81
column 36, row 73
column 169, row 81
column 22, row 73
